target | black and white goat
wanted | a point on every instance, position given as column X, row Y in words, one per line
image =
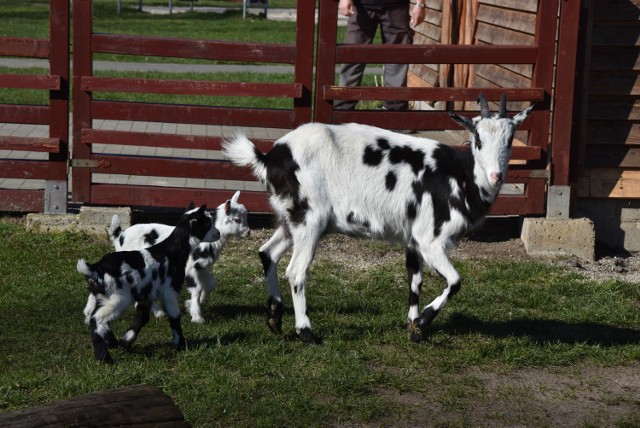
column 369, row 182
column 230, row 221
column 118, row 279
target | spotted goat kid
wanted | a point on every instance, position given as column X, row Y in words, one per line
column 118, row 279
column 230, row 221
column 369, row 182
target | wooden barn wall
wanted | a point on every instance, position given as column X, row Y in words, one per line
column 610, row 130
column 487, row 22
column 493, row 22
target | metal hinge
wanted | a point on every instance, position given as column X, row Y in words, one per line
column 89, row 163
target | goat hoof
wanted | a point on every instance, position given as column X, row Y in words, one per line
column 417, row 332
column 306, row 336
column 182, row 345
column 105, row 357
column 110, row 340
column 275, row 325
column 274, row 315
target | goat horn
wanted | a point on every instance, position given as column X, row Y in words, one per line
column 484, row 106
column 503, row 106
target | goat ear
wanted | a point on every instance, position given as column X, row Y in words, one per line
column 234, row 198
column 227, row 207
column 520, row 117
column 202, row 209
column 191, row 206
column 466, row 123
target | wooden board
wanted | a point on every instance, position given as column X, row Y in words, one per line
column 516, row 20
column 528, row 5
column 609, row 183
column 141, row 405
column 619, row 83
column 613, row 132
column 615, row 58
column 502, row 36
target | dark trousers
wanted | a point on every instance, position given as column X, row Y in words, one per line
column 361, row 29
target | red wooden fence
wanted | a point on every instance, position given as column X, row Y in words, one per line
column 532, row 175
column 532, row 171
column 86, row 109
column 52, row 169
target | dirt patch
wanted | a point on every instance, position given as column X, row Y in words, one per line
column 570, row 397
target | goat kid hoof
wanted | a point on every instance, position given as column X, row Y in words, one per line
column 275, row 325
column 417, row 333
column 306, row 336
column 110, row 340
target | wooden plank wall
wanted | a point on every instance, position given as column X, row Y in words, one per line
column 610, row 138
column 488, row 22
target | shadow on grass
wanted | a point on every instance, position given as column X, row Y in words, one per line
column 543, row 331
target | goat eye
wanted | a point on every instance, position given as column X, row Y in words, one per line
column 237, row 220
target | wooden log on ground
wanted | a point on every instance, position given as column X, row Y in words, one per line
column 139, row 405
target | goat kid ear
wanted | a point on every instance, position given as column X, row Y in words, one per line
column 234, row 198
column 191, row 206
column 466, row 123
column 227, row 207
column 520, row 117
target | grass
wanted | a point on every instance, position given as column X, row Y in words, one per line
column 509, row 315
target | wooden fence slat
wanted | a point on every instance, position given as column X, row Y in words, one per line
column 192, row 87
column 112, row 194
column 230, row 116
column 16, row 200
column 425, row 120
column 612, row 157
column 192, row 48
column 30, row 144
column 30, row 81
column 436, row 54
column 171, row 167
column 431, row 94
column 24, row 47
column 33, row 170
column 162, row 140
column 27, row 114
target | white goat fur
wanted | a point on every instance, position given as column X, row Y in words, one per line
column 230, row 221
column 370, row 182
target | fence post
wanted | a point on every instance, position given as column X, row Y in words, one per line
column 326, row 58
column 305, row 19
column 82, row 66
column 55, row 193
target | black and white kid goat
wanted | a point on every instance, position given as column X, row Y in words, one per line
column 230, row 221
column 369, row 182
column 118, row 279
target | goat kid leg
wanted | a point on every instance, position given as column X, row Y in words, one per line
column 199, row 286
column 100, row 347
column 436, row 257
column 143, row 313
column 172, row 307
column 270, row 254
column 304, row 248
column 415, row 265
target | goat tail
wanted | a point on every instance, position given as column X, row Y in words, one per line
column 115, row 229
column 84, row 268
column 242, row 152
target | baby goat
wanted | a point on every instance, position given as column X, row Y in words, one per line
column 369, row 182
column 120, row 278
column 230, row 221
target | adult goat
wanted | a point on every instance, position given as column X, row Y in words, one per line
column 369, row 182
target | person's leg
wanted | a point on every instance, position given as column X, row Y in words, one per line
column 361, row 29
column 396, row 30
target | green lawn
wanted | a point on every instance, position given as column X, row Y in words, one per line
column 508, row 316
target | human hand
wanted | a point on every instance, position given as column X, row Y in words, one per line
column 417, row 15
column 346, row 7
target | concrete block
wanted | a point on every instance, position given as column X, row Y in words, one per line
column 96, row 220
column 55, row 223
column 559, row 237
column 631, row 232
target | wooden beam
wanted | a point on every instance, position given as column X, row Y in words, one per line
column 48, row 145
column 142, row 405
column 192, row 87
